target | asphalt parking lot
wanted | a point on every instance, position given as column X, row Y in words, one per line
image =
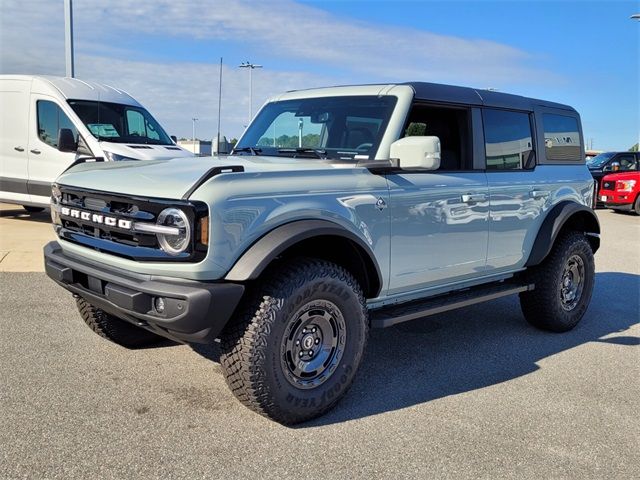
column 473, row 393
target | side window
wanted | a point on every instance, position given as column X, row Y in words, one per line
column 627, row 161
column 561, row 138
column 508, row 141
column 451, row 126
column 51, row 118
column 135, row 124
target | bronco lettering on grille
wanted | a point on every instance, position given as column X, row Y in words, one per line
column 96, row 218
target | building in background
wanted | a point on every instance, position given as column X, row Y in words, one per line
column 201, row 148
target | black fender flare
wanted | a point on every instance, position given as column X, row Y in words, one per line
column 565, row 213
column 257, row 257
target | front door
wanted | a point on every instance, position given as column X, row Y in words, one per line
column 439, row 228
column 46, row 162
column 439, row 219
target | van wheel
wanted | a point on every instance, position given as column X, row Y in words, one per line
column 563, row 285
column 293, row 351
column 33, row 209
column 112, row 328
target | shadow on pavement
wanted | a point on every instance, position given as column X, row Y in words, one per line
column 469, row 349
column 16, row 212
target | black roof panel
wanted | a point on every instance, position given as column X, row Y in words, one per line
column 471, row 96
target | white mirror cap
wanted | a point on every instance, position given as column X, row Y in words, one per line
column 417, row 152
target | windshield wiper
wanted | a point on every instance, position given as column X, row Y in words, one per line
column 252, row 150
column 318, row 152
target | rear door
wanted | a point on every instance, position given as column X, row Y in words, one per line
column 517, row 188
column 46, row 162
column 14, row 140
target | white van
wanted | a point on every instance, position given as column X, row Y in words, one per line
column 48, row 122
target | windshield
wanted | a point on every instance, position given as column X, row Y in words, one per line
column 114, row 122
column 328, row 127
column 599, row 160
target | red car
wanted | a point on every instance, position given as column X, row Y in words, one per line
column 621, row 191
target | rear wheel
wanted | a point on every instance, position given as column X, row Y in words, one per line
column 636, row 205
column 294, row 350
column 31, row 209
column 114, row 329
column 563, row 285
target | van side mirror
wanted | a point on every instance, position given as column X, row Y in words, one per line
column 66, row 140
column 422, row 153
column 174, row 138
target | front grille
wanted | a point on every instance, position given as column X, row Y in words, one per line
column 103, row 221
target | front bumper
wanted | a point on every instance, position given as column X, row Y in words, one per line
column 620, row 206
column 193, row 311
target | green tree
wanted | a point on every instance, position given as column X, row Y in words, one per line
column 416, row 129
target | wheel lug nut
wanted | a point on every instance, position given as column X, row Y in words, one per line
column 317, row 341
column 297, row 342
column 310, row 352
column 301, row 354
column 313, row 330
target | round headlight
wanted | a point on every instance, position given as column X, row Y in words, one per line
column 174, row 244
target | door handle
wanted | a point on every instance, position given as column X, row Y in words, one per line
column 539, row 193
column 35, row 151
column 18, row 149
column 473, row 197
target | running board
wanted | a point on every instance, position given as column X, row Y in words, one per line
column 388, row 316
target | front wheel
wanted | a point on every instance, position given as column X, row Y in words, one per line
column 293, row 352
column 563, row 285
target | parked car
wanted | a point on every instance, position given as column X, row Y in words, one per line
column 612, row 162
column 291, row 248
column 621, row 192
column 47, row 122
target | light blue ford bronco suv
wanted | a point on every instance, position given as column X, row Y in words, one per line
column 339, row 210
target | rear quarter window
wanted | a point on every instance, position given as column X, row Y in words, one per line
column 561, row 138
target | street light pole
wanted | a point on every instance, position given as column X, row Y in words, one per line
column 68, row 38
column 250, row 66
column 193, row 134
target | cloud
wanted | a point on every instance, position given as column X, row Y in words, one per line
column 352, row 51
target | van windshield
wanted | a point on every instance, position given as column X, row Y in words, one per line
column 118, row 123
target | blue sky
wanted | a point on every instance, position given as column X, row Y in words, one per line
column 165, row 52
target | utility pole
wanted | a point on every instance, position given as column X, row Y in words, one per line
column 193, row 134
column 300, row 127
column 68, row 38
column 250, row 66
column 219, row 108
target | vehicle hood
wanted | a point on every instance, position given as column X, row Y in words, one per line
column 145, row 151
column 173, row 178
column 622, row 176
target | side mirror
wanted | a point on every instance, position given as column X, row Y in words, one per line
column 174, row 138
column 66, row 140
column 421, row 153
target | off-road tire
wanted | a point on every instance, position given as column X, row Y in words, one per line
column 114, row 329
column 254, row 345
column 543, row 306
column 33, row 209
